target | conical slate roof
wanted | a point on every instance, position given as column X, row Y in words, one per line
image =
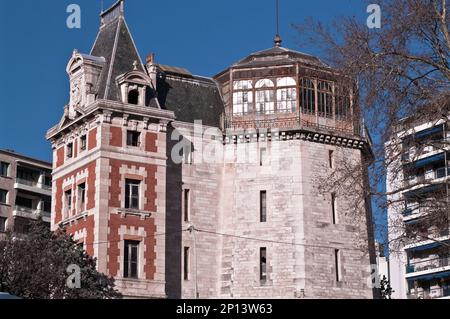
column 114, row 43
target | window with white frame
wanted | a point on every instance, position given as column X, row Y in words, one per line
column 325, row 99
column 133, row 138
column 265, row 97
column 68, row 202
column 132, row 193
column 286, row 95
column 81, row 196
column 308, row 96
column 242, row 97
column 131, row 259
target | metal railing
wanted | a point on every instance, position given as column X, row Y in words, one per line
column 234, row 122
column 430, row 293
column 428, row 264
column 438, row 173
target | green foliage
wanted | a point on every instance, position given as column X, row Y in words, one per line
column 35, row 267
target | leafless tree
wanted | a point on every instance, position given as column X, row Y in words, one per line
column 403, row 76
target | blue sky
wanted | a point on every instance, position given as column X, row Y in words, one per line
column 204, row 36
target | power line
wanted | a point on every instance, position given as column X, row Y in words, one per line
column 267, row 240
column 147, row 236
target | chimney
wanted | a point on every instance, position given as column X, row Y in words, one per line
column 150, row 58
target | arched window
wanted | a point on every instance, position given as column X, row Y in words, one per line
column 133, row 97
column 286, row 95
column 264, row 83
column 325, row 100
column 242, row 97
column 343, row 111
column 308, row 96
column 265, row 97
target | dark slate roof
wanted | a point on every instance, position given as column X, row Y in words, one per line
column 115, row 44
column 277, row 56
column 191, row 98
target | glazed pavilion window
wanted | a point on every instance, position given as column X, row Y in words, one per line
column 265, row 97
column 242, row 97
column 286, row 95
column 343, row 111
column 308, row 96
column 325, row 101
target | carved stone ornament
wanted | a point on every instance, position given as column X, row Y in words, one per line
column 75, row 93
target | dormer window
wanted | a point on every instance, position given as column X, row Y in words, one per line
column 134, row 87
column 133, row 97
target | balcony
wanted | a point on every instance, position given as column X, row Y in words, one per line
column 33, row 186
column 27, row 212
column 430, row 264
column 427, row 178
column 434, row 293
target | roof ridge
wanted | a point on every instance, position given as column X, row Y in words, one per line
column 112, row 60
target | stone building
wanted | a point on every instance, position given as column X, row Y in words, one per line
column 190, row 186
column 25, row 191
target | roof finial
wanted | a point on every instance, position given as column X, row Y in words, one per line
column 277, row 39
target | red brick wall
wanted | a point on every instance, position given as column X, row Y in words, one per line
column 60, row 156
column 92, row 139
column 60, row 191
column 114, row 223
column 116, row 136
column 150, row 142
column 87, row 224
column 58, row 200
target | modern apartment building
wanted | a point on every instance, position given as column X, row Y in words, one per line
column 25, row 191
column 418, row 213
column 185, row 186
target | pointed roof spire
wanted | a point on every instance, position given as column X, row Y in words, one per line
column 116, row 45
column 277, row 39
column 115, row 11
